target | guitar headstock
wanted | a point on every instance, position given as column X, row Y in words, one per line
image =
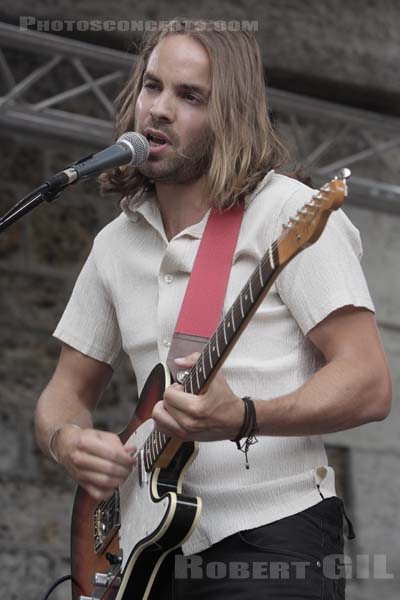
column 305, row 228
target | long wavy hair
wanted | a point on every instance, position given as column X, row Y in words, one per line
column 244, row 146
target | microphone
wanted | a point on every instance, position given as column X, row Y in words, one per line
column 130, row 149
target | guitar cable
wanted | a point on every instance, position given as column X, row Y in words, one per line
column 56, row 584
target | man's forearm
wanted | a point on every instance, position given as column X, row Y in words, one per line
column 337, row 397
column 57, row 407
column 97, row 460
column 353, row 388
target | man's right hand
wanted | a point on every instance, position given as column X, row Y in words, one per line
column 96, row 460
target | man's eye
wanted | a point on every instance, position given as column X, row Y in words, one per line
column 191, row 98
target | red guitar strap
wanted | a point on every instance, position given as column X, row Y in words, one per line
column 204, row 297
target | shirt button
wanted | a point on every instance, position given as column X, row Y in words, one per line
column 168, row 278
column 167, row 343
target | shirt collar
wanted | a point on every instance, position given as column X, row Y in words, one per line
column 149, row 209
column 260, row 186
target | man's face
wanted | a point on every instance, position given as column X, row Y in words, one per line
column 173, row 102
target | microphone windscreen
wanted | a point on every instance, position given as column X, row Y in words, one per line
column 139, row 145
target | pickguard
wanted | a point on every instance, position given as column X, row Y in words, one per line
column 140, row 515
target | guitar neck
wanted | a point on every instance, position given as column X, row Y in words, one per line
column 160, row 446
column 233, row 324
column 301, row 231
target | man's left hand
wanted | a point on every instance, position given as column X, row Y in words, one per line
column 215, row 415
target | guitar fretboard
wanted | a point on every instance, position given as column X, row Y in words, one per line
column 231, row 325
column 221, row 343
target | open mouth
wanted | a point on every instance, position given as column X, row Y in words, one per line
column 156, row 141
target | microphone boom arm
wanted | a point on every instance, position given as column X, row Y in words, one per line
column 130, row 149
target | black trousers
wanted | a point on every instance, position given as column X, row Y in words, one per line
column 298, row 557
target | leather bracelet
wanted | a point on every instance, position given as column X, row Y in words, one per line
column 245, row 424
column 53, row 437
column 248, row 429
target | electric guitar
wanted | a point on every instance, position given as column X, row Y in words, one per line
column 118, row 545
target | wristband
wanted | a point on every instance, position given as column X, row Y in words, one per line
column 248, row 429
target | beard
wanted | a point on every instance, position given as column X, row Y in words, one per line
column 180, row 166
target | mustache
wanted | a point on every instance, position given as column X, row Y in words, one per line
column 169, row 133
column 207, row 142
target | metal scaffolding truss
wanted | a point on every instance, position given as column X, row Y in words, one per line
column 30, row 104
column 328, row 136
column 68, row 90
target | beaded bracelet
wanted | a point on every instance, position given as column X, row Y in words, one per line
column 248, row 429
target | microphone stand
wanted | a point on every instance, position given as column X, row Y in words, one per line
column 28, row 203
column 48, row 191
column 130, row 149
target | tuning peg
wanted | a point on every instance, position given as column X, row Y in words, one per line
column 285, row 226
column 343, row 173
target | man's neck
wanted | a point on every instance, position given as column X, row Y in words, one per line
column 181, row 205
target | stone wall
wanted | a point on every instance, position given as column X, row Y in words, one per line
column 373, row 466
column 41, row 256
column 39, row 260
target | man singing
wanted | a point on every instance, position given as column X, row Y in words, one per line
column 309, row 362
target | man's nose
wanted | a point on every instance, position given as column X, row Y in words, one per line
column 163, row 108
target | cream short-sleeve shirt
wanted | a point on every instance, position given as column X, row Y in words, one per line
column 127, row 299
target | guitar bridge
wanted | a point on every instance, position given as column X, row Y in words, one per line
column 106, row 522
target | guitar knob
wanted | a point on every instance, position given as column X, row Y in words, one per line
column 113, row 559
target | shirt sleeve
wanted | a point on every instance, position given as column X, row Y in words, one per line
column 89, row 323
column 327, row 275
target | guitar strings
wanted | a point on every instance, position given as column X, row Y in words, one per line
column 265, row 263
column 110, row 502
column 193, row 375
column 267, row 271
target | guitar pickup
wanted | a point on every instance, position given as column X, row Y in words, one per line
column 106, row 522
